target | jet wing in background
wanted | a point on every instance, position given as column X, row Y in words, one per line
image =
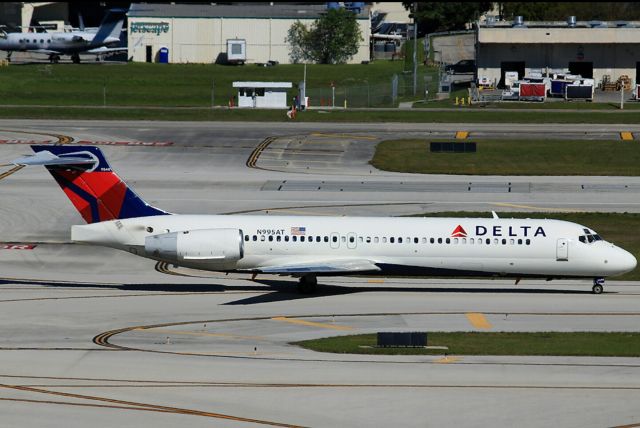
column 321, row 266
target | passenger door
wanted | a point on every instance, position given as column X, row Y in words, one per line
column 562, row 250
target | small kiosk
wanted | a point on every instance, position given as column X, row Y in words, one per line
column 262, row 94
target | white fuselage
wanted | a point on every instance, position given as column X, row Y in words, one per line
column 72, row 42
column 399, row 246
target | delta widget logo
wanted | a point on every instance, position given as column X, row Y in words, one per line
column 459, row 232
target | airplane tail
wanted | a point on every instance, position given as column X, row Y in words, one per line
column 110, row 27
column 89, row 182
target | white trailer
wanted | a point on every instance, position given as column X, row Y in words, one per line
column 236, row 51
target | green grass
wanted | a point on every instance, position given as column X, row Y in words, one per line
column 513, row 157
column 611, row 344
column 619, row 228
column 171, row 84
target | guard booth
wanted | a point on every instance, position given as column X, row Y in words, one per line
column 262, row 94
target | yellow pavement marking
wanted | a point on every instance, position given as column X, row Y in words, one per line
column 376, row 281
column 478, row 320
column 461, row 135
column 354, row 137
column 531, row 207
column 312, row 324
column 198, row 333
column 626, row 135
column 447, row 360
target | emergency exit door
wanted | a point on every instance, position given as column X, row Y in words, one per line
column 562, row 250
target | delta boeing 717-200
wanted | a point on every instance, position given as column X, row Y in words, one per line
column 308, row 247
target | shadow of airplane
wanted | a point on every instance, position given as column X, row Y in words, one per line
column 283, row 290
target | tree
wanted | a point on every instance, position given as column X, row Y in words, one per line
column 446, row 16
column 332, row 39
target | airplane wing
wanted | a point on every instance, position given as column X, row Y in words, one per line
column 44, row 51
column 104, row 50
column 322, row 266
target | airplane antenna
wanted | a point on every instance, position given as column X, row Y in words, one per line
column 493, row 213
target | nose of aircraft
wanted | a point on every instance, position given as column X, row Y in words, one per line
column 622, row 261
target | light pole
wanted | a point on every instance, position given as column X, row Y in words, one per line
column 415, row 50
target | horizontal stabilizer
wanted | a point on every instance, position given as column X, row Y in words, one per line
column 47, row 158
column 326, row 266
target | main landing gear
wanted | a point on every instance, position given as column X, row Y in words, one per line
column 75, row 58
column 598, row 285
column 54, row 58
column 308, row 284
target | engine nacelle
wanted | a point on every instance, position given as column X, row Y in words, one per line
column 204, row 246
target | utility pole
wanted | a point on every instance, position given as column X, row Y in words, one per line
column 303, row 101
column 213, row 86
column 621, row 95
column 415, row 49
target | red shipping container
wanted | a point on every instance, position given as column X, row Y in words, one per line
column 533, row 90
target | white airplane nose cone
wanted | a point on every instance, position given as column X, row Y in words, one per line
column 623, row 261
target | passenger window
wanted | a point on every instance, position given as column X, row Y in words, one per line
column 399, row 240
column 255, row 238
column 496, row 241
column 352, row 239
column 488, row 241
column 368, row 239
column 424, row 240
column 504, row 241
column 463, row 240
column 278, row 238
column 528, row 241
column 246, row 237
column 392, row 239
column 302, row 239
column 448, row 241
column 286, row 238
column 360, row 239
column 334, row 239
column 384, row 239
column 263, row 238
column 343, row 239
column 270, row 238
column 439, row 240
column 455, row 240
column 376, row 240
column 415, row 240
column 432, row 240
column 470, row 240
column 326, row 239
column 512, row 241
column 294, row 238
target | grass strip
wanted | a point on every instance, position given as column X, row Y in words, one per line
column 336, row 116
column 513, row 157
column 619, row 228
column 579, row 344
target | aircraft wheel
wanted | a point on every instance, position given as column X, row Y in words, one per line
column 75, row 58
column 598, row 286
column 308, row 284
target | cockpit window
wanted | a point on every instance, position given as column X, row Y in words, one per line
column 589, row 237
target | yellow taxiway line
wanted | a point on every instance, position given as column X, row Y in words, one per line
column 478, row 320
column 312, row 324
column 531, row 207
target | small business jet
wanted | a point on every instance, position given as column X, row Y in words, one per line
column 308, row 247
column 72, row 43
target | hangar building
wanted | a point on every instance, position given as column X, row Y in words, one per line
column 198, row 33
column 592, row 49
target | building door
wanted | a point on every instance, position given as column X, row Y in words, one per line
column 562, row 250
column 149, row 53
column 505, row 66
column 584, row 69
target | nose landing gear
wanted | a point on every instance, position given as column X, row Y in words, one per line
column 598, row 286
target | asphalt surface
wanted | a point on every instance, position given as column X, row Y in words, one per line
column 93, row 336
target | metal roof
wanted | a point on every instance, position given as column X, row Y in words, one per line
column 242, row 10
column 262, row 84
